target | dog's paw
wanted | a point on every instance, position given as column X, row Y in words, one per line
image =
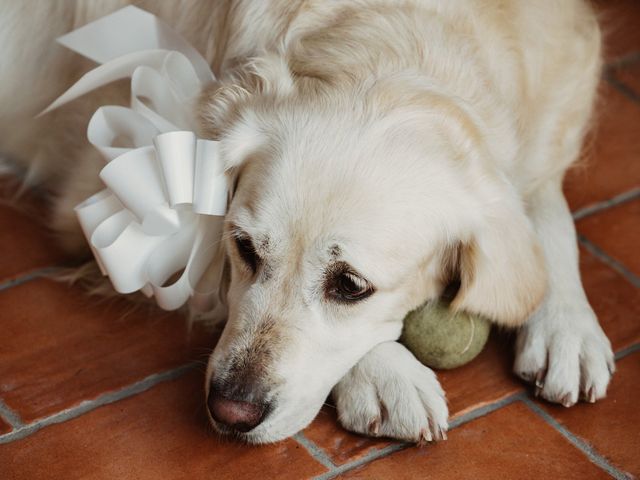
column 567, row 356
column 390, row 394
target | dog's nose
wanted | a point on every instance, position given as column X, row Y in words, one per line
column 238, row 415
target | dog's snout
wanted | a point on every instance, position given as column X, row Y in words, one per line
column 238, row 415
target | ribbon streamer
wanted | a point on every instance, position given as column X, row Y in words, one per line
column 158, row 224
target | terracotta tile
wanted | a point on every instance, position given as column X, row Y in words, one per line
column 619, row 20
column 509, row 443
column 617, row 232
column 25, row 241
column 161, row 433
column 341, row 446
column 611, row 426
column 610, row 160
column 10, row 186
column 61, row 346
column 614, row 299
column 4, row 426
column 485, row 380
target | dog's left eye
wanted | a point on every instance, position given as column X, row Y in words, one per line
column 348, row 287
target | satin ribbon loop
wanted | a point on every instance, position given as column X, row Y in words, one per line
column 123, row 249
column 210, row 196
column 163, row 95
column 177, row 154
column 115, row 130
column 152, row 97
column 136, row 179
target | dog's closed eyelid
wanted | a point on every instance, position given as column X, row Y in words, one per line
column 246, row 250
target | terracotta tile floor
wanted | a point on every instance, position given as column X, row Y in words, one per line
column 90, row 389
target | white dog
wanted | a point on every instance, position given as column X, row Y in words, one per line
column 380, row 151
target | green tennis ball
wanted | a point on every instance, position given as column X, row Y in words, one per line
column 441, row 338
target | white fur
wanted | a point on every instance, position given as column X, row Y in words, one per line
column 390, row 394
column 415, row 140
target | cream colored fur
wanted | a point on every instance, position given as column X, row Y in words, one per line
column 417, row 141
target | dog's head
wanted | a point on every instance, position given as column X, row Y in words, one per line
column 351, row 206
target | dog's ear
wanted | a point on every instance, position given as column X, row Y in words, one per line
column 229, row 111
column 501, row 266
column 223, row 103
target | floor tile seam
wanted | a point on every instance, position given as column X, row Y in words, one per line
column 462, row 420
column 627, row 351
column 87, row 406
column 605, row 258
column 621, row 87
column 377, row 454
column 603, row 205
column 588, row 450
column 28, row 276
column 624, row 61
column 314, row 450
column 10, row 415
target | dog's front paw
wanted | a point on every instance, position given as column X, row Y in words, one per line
column 566, row 355
column 390, row 394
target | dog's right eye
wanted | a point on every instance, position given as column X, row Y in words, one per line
column 248, row 252
column 347, row 287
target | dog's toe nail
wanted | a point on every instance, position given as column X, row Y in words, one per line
column 591, row 395
column 540, row 380
column 425, row 437
column 374, row 426
column 566, row 401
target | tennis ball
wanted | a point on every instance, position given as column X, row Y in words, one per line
column 441, row 338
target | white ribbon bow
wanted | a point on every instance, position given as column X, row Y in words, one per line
column 160, row 216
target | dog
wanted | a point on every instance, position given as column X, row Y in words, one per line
column 380, row 151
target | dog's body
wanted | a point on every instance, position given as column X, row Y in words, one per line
column 380, row 150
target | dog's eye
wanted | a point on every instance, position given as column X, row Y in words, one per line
column 247, row 252
column 348, row 287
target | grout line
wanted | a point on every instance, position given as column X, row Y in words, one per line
column 34, row 274
column 104, row 399
column 603, row 205
column 9, row 415
column 627, row 351
column 486, row 409
column 315, row 451
column 621, row 87
column 624, row 61
column 370, row 457
column 396, row 447
column 577, row 442
column 605, row 258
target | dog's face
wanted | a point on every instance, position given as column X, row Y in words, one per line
column 346, row 214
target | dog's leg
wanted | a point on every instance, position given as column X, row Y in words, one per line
column 562, row 347
column 389, row 393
